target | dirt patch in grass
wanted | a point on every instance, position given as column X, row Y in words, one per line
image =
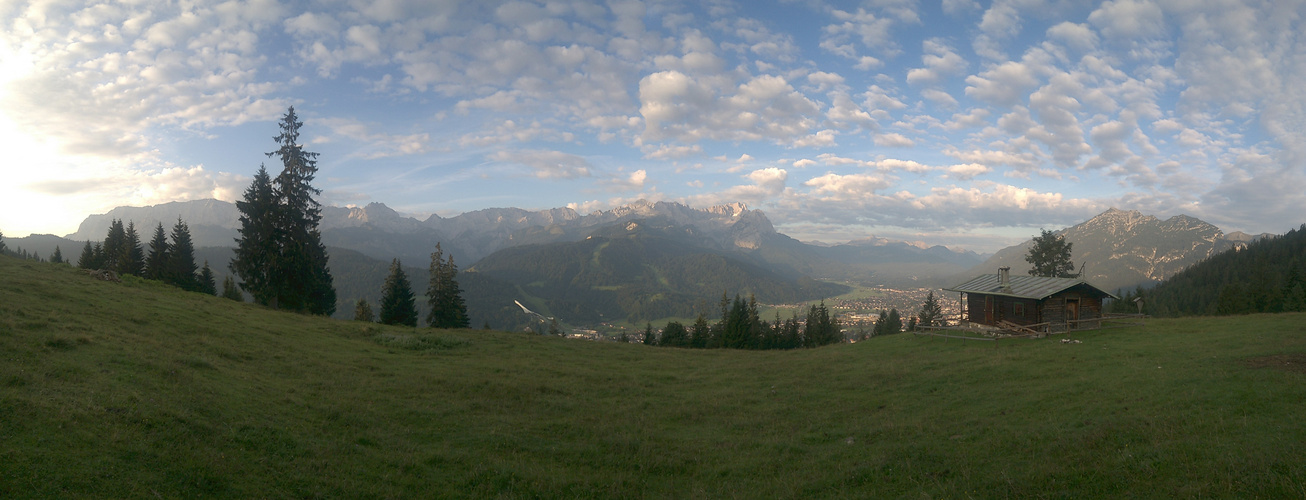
column 1286, row 362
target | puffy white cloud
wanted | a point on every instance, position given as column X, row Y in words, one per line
column 1005, row 85
column 547, row 164
column 633, row 182
column 1077, row 36
column 677, row 106
column 1128, row 19
column 835, row 186
column 377, row 144
column 940, row 97
column 967, row 171
column 842, row 37
column 893, row 140
column 940, row 61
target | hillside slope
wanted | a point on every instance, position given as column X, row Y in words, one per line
column 134, row 389
column 1121, row 249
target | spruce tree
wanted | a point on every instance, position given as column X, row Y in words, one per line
column 133, row 259
column 363, row 311
column 207, row 283
column 180, row 267
column 230, row 291
column 97, row 257
column 257, row 248
column 895, row 321
column 648, row 338
column 88, row 257
column 304, row 281
column 115, row 246
column 699, row 333
column 448, row 310
column 57, row 256
column 674, row 335
column 931, row 313
column 398, row 305
column 2, row 243
column 156, row 264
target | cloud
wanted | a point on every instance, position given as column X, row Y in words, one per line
column 940, row 97
column 940, row 61
column 842, row 187
column 677, row 106
column 842, row 37
column 547, row 164
column 1128, row 19
column 1004, row 85
column 97, row 79
column 1077, row 36
column 377, row 144
column 893, row 140
column 633, row 182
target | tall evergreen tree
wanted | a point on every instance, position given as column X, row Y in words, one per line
column 674, row 335
column 257, row 249
column 363, row 311
column 882, row 324
column 133, row 259
column 398, row 306
column 57, row 256
column 931, row 313
column 206, row 282
column 88, row 257
column 115, row 246
column 303, row 280
column 97, row 256
column 648, row 338
column 1050, row 256
column 156, row 264
column 3, row 249
column 230, row 291
column 699, row 333
column 448, row 310
column 895, row 321
column 180, row 267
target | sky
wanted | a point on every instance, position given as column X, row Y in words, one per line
column 963, row 123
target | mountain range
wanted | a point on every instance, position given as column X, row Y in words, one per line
column 378, row 231
column 649, row 260
column 1121, row 249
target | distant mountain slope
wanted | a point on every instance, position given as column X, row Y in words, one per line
column 1122, row 249
column 1265, row 276
column 641, row 270
column 211, row 222
column 377, row 231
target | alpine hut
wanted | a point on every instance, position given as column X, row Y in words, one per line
column 1031, row 302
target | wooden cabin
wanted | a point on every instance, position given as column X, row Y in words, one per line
column 1044, row 304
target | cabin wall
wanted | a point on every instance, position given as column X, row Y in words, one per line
column 1016, row 310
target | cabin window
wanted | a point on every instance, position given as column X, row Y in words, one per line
column 1018, row 310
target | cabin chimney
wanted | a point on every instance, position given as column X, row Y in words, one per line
column 1004, row 277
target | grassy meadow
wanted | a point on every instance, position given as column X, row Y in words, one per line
column 136, row 389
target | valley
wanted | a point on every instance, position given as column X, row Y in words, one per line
column 616, row 271
column 137, row 389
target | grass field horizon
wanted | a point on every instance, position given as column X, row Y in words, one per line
column 137, row 389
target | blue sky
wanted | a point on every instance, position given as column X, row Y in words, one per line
column 971, row 124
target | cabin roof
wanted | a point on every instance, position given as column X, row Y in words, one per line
column 1025, row 287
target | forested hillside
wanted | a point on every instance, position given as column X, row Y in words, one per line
column 1268, row 275
column 640, row 271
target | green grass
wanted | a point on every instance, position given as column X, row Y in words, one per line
column 139, row 390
